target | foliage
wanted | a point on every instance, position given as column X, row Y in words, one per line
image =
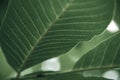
column 32, row 31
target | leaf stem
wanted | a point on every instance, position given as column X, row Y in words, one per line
column 18, row 76
column 73, row 71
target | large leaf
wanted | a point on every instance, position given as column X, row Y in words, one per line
column 5, row 69
column 81, row 49
column 104, row 56
column 60, row 76
column 35, row 30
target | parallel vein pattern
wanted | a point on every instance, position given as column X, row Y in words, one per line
column 36, row 30
column 105, row 55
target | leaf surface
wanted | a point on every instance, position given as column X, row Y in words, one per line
column 104, row 56
column 36, row 30
column 5, row 69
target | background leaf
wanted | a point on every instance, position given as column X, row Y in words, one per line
column 36, row 30
column 61, row 76
column 5, row 70
column 81, row 49
column 104, row 56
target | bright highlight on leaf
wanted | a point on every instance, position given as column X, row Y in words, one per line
column 51, row 65
column 111, row 75
column 113, row 27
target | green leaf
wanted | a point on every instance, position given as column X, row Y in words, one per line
column 5, row 70
column 104, row 56
column 81, row 49
column 36, row 30
column 61, row 76
column 84, row 47
column 65, row 65
column 117, row 15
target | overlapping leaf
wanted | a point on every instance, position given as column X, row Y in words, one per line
column 81, row 49
column 104, row 56
column 35, row 30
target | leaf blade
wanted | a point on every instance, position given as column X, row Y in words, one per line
column 33, row 31
column 103, row 56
